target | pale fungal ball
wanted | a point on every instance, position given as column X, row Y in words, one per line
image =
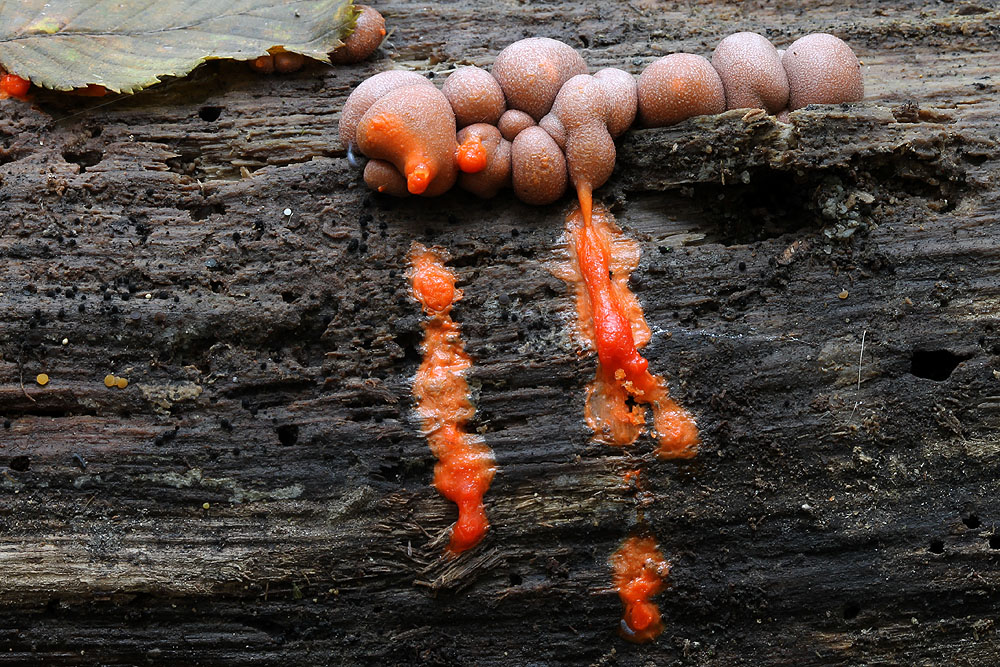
column 677, row 87
column 475, row 96
column 512, row 122
column 367, row 92
column 822, row 69
column 538, row 167
column 531, row 72
column 623, row 97
column 369, row 31
column 751, row 73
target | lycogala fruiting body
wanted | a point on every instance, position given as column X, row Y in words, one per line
column 531, row 72
column 369, row 31
column 370, row 90
column 475, row 96
column 678, row 87
column 751, row 73
column 538, row 167
column 413, row 127
column 822, row 69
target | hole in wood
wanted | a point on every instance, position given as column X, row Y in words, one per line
column 20, row 463
column 851, row 611
column 288, row 434
column 971, row 521
column 994, row 541
column 209, row 114
column 936, row 547
column 935, row 365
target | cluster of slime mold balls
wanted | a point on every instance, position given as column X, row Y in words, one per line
column 539, row 122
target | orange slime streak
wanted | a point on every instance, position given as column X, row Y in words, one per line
column 639, row 573
column 471, row 155
column 465, row 465
column 611, row 318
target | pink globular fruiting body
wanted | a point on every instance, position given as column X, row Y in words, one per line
column 677, row 87
column 538, row 167
column 495, row 175
column 512, row 122
column 475, row 96
column 369, row 31
column 822, row 69
column 413, row 127
column 751, row 73
column 366, row 94
column 531, row 72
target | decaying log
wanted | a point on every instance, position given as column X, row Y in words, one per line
column 824, row 296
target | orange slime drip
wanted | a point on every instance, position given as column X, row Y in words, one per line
column 465, row 465
column 471, row 155
column 639, row 573
column 610, row 316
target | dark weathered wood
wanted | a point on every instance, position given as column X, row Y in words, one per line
column 840, row 512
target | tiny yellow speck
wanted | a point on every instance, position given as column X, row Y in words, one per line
column 205, row 506
column 843, row 295
column 148, row 295
column 42, row 379
column 109, row 381
column 65, row 341
column 122, row 383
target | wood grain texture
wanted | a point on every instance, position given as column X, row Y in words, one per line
column 828, row 520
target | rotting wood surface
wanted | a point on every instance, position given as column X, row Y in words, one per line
column 838, row 513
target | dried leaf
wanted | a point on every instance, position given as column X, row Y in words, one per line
column 126, row 45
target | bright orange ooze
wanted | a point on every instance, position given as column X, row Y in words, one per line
column 611, row 319
column 471, row 155
column 465, row 464
column 11, row 85
column 640, row 572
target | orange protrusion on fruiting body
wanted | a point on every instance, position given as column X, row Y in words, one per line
column 471, row 155
column 640, row 572
column 11, row 85
column 413, row 127
column 465, row 464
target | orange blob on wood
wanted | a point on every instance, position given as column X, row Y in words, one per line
column 611, row 320
column 12, row 85
column 640, row 572
column 465, row 464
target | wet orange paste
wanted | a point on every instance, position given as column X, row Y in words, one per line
column 471, row 155
column 640, row 572
column 12, row 85
column 465, row 464
column 611, row 319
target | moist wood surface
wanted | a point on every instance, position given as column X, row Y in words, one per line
column 843, row 510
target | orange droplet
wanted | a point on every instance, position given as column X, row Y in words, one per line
column 418, row 178
column 11, row 85
column 42, row 379
column 109, row 381
column 471, row 155
column 121, row 383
